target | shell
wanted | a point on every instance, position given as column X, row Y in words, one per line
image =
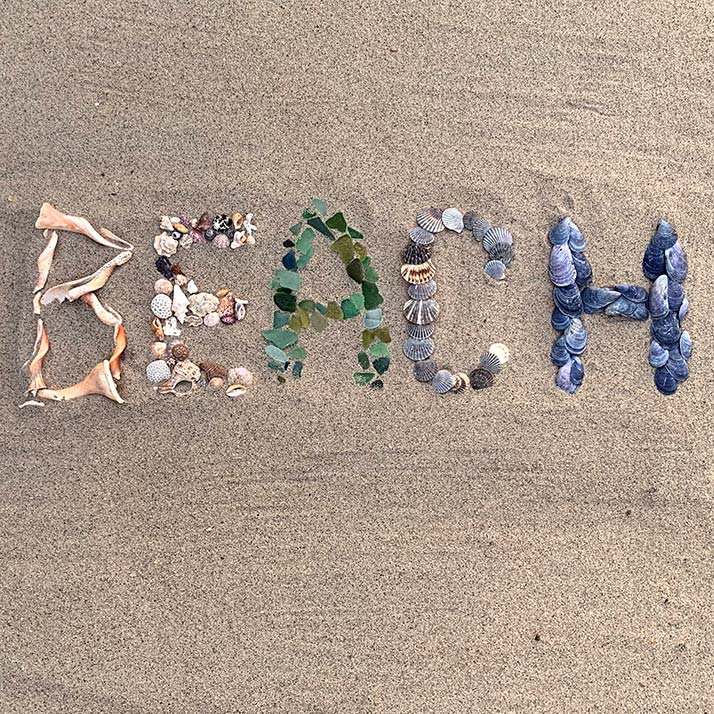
column 227, row 309
column 442, row 382
column 213, row 369
column 157, row 328
column 163, row 287
column 163, row 265
column 185, row 371
column 563, row 381
column 202, row 303
column 559, row 354
column 576, row 241
column 560, row 233
column 665, row 236
column 675, row 295
column 577, row 371
column 501, row 351
column 664, row 381
column 171, row 328
column 666, row 330
column 597, row 299
column 164, row 244
column 658, row 355
column 216, row 384
column 157, row 371
column 559, row 320
column 481, row 378
column 685, row 345
column 158, row 350
column 676, row 263
column 179, row 305
column 222, row 222
column 453, row 219
column 416, row 254
column 235, row 390
column 418, row 350
column 212, row 319
column 576, row 337
column 504, row 253
column 430, row 220
column 684, row 309
column 490, row 362
column 421, row 312
column 221, row 241
column 653, row 262
column 495, row 237
column 373, row 318
column 425, row 371
column 677, row 366
column 161, row 306
column 625, row 308
column 461, row 381
column 568, row 300
column 421, row 236
column 420, row 332
column 417, row 274
column 180, row 352
column 469, row 217
column 479, row 228
column 633, row 293
column 495, row 269
column 180, row 279
column 192, row 321
column 583, row 270
column 422, row 291
column 561, row 269
column 240, row 375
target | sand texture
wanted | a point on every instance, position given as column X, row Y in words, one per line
column 319, row 548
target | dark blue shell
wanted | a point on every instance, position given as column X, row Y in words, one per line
column 653, row 262
column 577, row 372
column 561, row 270
column 684, row 309
column 290, row 260
column 634, row 293
column 563, row 380
column 576, row 240
column 568, row 300
column 658, row 355
column 559, row 354
column 163, row 265
column 596, row 299
column 583, row 271
column 676, row 263
column 659, row 298
column 677, row 366
column 665, row 236
column 576, row 338
column 666, row 330
column 559, row 320
column 625, row 308
column 685, row 344
column 675, row 294
column 560, row 232
column 664, row 381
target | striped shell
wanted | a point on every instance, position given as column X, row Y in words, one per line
column 495, row 269
column 425, row 371
column 421, row 236
column 421, row 312
column 490, row 361
column 430, row 220
column 479, row 228
column 496, row 236
column 418, row 350
column 213, row 369
column 422, row 291
column 501, row 351
column 420, row 332
column 504, row 253
column 415, row 254
column 453, row 219
column 417, row 274
column 480, row 378
column 461, row 381
column 442, row 382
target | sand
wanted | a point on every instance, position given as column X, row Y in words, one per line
column 319, row 548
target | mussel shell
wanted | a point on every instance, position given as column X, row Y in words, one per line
column 420, row 332
column 559, row 320
column 422, row 291
column 666, row 330
column 634, row 293
column 659, row 297
column 675, row 295
column 583, row 270
column 416, row 254
column 560, row 266
column 685, row 344
column 676, row 263
column 421, row 312
column 453, row 219
column 684, row 309
column 490, row 361
column 577, row 371
column 658, row 355
column 597, row 299
column 425, row 370
column 421, row 237
column 576, row 241
column 418, row 350
column 665, row 236
column 442, row 382
column 568, row 300
column 576, row 337
column 417, row 274
column 559, row 354
column 494, row 237
column 664, row 381
column 625, row 308
column 480, row 378
column 430, row 220
column 495, row 269
column 479, row 228
column 653, row 262
column 560, row 233
column 677, row 365
column 563, row 380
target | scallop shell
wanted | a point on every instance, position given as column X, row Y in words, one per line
column 501, row 351
column 495, row 269
column 480, row 378
column 469, row 218
column 416, row 254
column 420, row 332
column 422, row 291
column 417, row 274
column 461, row 381
column 504, row 253
column 496, row 236
column 430, row 220
column 418, row 350
column 425, row 371
column 442, row 382
column 490, row 361
column 421, row 312
column 453, row 219
column 161, row 306
column 480, row 227
column 157, row 371
column 421, row 236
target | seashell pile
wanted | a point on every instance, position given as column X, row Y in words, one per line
column 422, row 310
column 178, row 304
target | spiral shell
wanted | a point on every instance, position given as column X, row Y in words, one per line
column 161, row 306
column 213, row 369
column 442, row 382
column 425, row 370
column 418, row 350
column 180, row 352
column 430, row 220
column 422, row 291
column 418, row 274
column 421, row 237
column 420, row 332
column 421, row 312
column 480, row 378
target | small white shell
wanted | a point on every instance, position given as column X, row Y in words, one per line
column 453, row 219
column 191, row 287
column 171, row 327
column 179, row 306
column 430, row 220
column 501, row 351
column 157, row 371
column 161, row 306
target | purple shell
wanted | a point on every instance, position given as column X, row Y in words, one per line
column 560, row 266
column 676, row 263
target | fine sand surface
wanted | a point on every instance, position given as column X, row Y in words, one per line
column 318, row 547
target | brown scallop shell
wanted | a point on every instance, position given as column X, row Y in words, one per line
column 418, row 274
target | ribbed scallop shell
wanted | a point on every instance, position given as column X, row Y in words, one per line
column 480, row 227
column 420, row 332
column 425, row 371
column 495, row 269
column 421, row 312
column 480, row 378
column 453, row 219
column 422, row 291
column 502, row 252
column 461, row 381
column 418, row 350
column 496, row 236
column 490, row 361
column 430, row 220
column 416, row 254
column 501, row 351
column 418, row 274
column 442, row 382
column 421, row 236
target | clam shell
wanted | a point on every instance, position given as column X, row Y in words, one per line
column 560, row 266
column 665, row 236
column 417, row 274
column 420, row 332
column 425, row 371
column 559, row 320
column 479, row 228
column 461, row 381
column 421, row 312
column 490, row 361
column 685, row 344
column 653, row 262
column 161, row 306
column 494, row 237
column 597, row 299
column 442, row 382
column 664, row 381
column 583, row 271
column 576, row 337
column 453, row 219
column 568, row 300
column 666, row 330
column 416, row 254
column 559, row 354
column 676, row 263
column 495, row 269
column 480, row 378
column 157, row 371
column 501, row 351
column 418, row 350
column 421, row 236
column 430, row 220
column 658, row 355
column 422, row 291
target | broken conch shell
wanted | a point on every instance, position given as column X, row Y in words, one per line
column 98, row 381
column 53, row 219
column 44, row 261
column 42, row 346
column 105, row 314
column 119, row 347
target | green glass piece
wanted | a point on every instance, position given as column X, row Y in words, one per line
column 345, row 248
column 363, row 378
column 366, row 261
column 285, row 301
column 358, row 300
column 354, row 233
column 363, row 359
column 373, row 318
column 288, row 279
column 370, row 274
column 304, row 259
column 297, row 370
column 379, row 349
column 355, row 270
column 276, row 366
column 321, row 308
column 377, row 384
column 281, row 379
column 307, row 213
column 298, row 353
column 372, row 298
column 319, row 225
column 304, row 316
column 304, row 242
column 349, row 309
column 319, row 321
column 308, row 305
column 337, row 222
column 368, row 337
column 320, row 205
column 295, row 229
column 381, row 365
column 360, row 251
column 276, row 354
column 295, row 323
column 280, row 338
column 334, row 311
column 382, row 334
column 280, row 318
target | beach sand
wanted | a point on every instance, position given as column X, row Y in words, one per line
column 318, row 547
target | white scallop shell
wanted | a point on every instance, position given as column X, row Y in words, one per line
column 430, row 220
column 443, row 381
column 501, row 351
column 453, row 219
column 495, row 269
column 421, row 312
column 494, row 236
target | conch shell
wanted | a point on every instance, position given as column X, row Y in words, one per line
column 44, row 261
column 119, row 347
column 106, row 315
column 41, row 348
column 53, row 219
column 179, row 305
column 76, row 288
column 98, row 381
